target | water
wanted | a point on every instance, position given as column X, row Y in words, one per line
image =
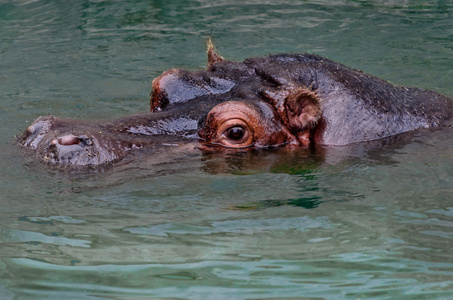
column 355, row 222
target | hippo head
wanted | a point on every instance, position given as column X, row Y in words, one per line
column 285, row 100
column 227, row 105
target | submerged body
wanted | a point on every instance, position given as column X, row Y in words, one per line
column 275, row 101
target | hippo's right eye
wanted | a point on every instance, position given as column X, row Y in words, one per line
column 235, row 133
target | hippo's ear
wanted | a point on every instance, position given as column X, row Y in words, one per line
column 213, row 57
column 303, row 109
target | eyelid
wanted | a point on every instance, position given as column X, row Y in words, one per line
column 228, row 124
column 230, row 147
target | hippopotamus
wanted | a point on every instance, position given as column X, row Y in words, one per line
column 282, row 100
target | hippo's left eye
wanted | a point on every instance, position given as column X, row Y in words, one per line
column 235, row 133
column 231, row 124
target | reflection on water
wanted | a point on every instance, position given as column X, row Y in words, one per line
column 369, row 220
column 380, row 226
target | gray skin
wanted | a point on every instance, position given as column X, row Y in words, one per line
column 300, row 100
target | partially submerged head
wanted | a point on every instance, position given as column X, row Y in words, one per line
column 227, row 105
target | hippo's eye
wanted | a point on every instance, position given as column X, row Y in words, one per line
column 235, row 133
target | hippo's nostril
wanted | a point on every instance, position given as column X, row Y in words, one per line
column 31, row 129
column 70, row 140
column 37, row 131
column 67, row 140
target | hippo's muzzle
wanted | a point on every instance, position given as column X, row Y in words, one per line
column 59, row 141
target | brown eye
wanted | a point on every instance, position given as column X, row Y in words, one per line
column 235, row 133
column 232, row 132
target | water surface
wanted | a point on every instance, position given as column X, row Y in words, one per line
column 370, row 221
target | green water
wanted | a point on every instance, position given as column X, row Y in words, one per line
column 349, row 223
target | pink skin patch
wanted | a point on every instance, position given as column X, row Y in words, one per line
column 67, row 140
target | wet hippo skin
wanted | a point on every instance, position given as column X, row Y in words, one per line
column 284, row 100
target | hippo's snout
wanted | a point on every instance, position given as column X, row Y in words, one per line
column 54, row 141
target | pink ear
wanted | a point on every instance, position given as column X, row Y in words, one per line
column 303, row 109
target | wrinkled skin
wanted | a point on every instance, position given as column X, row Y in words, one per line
column 285, row 100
